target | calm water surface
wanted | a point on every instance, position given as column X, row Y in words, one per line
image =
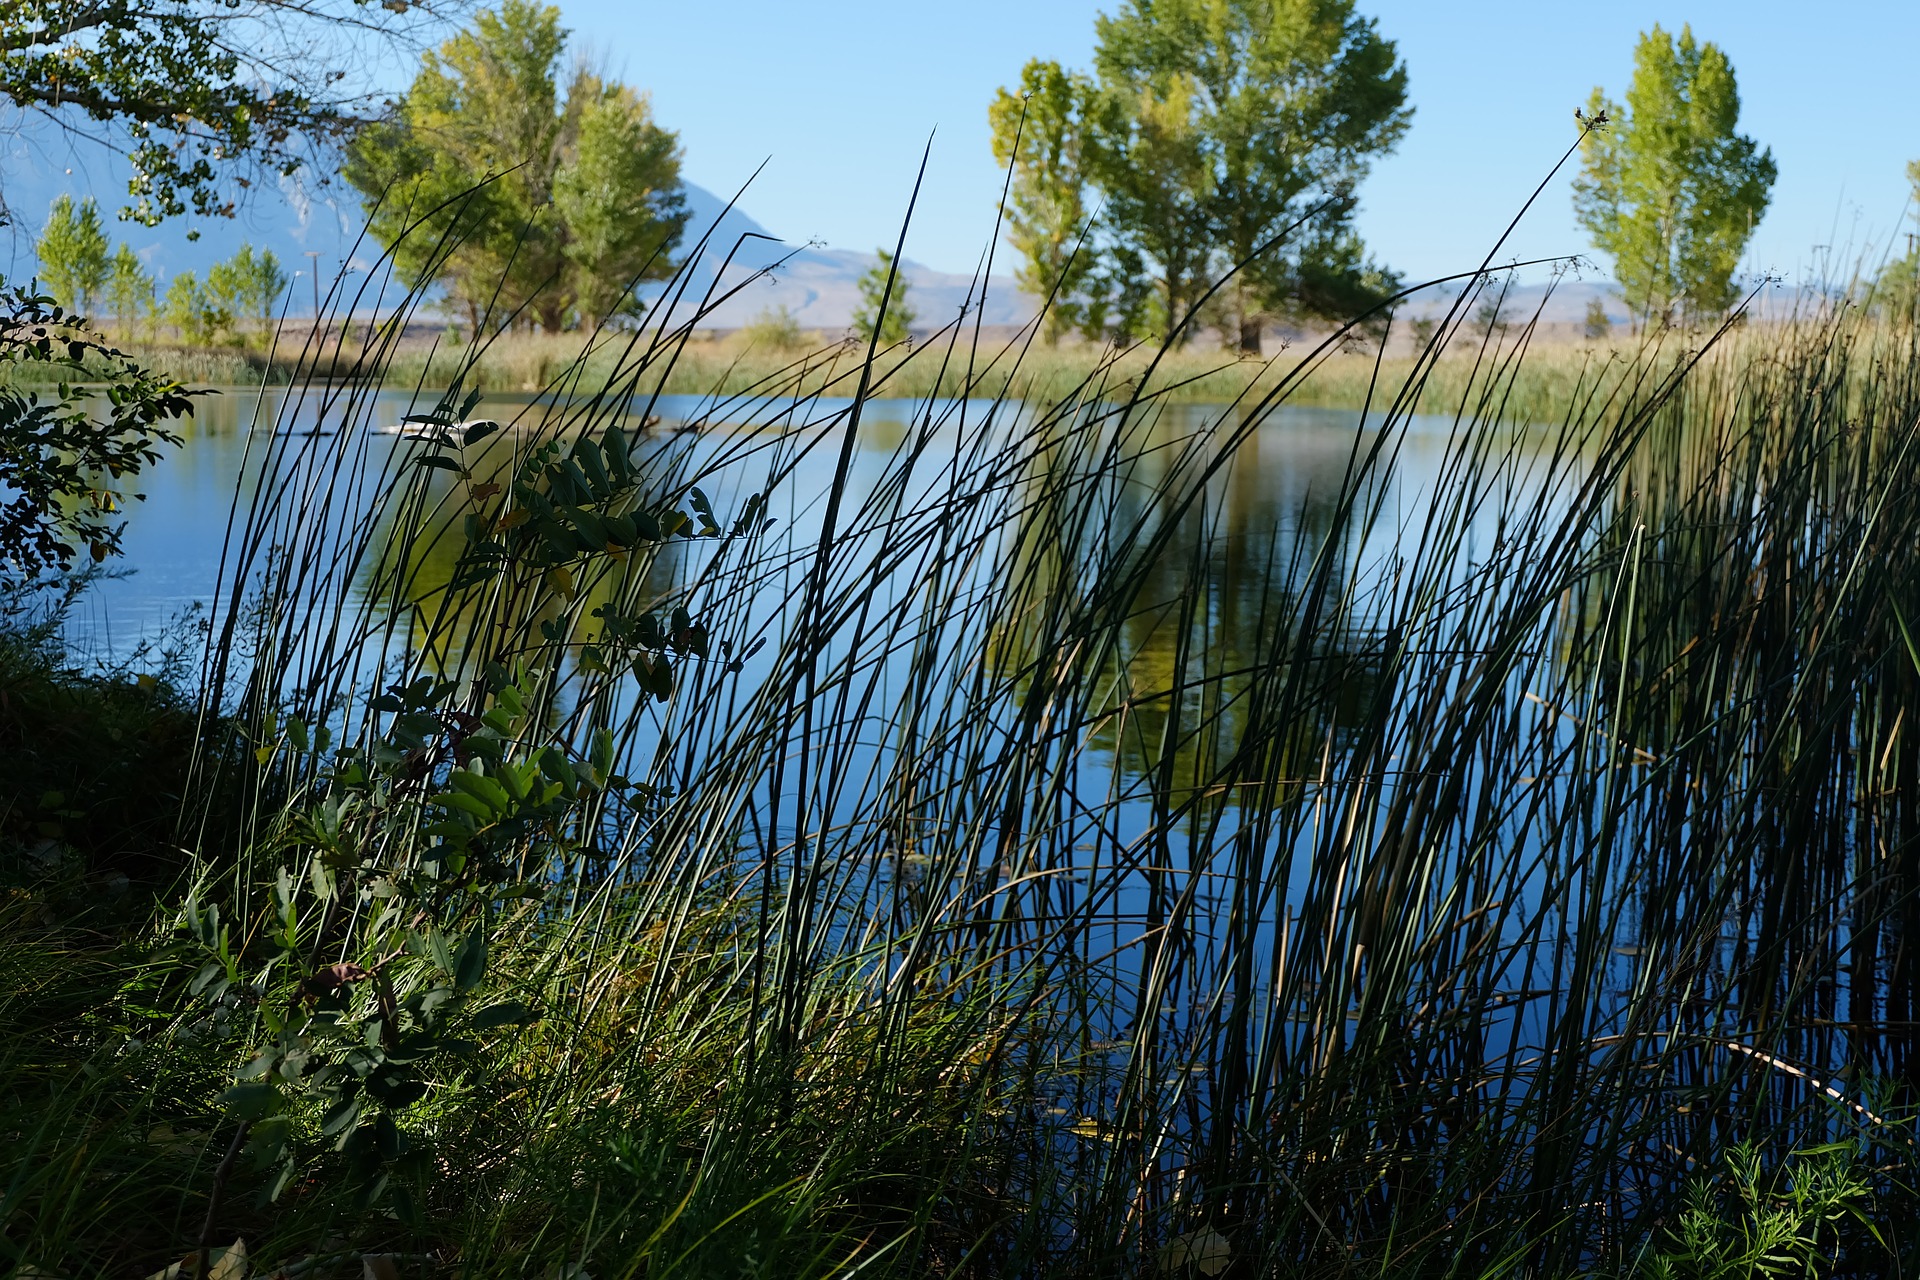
column 1281, row 489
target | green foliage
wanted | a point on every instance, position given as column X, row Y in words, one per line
column 73, row 254
column 1750, row 1222
column 775, row 329
column 193, row 311
column 130, row 290
column 1596, row 326
column 202, row 91
column 64, row 455
column 617, row 198
column 1670, row 190
column 570, row 512
column 1491, row 315
column 994, row 924
column 578, row 195
column 1217, row 134
column 247, row 286
column 1039, row 132
column 448, row 821
column 1896, row 287
column 883, row 305
column 96, row 759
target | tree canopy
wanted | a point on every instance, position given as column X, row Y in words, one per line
column 129, row 288
column 248, row 285
column 1896, row 287
column 489, row 179
column 883, row 305
column 72, row 249
column 1047, row 217
column 201, row 95
column 1214, row 134
column 1671, row 191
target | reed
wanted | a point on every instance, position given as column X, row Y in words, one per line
column 993, row 867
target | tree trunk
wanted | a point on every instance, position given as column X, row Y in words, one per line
column 1251, row 328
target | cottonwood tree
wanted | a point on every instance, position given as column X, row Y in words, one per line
column 73, row 254
column 1896, row 288
column 1597, row 325
column 489, row 179
column 1038, row 132
column 195, row 314
column 883, row 310
column 1214, row 135
column 248, row 285
column 129, row 289
column 1671, row 190
column 203, row 96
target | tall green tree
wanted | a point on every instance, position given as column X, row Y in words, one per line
column 203, row 95
column 886, row 312
column 1040, row 133
column 489, row 179
column 1256, row 120
column 129, row 289
column 1148, row 157
column 1671, row 190
column 195, row 314
column 73, row 254
column 617, row 196
column 1896, row 289
column 248, row 285
column 1215, row 134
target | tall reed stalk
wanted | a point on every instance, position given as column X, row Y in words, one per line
column 1042, row 878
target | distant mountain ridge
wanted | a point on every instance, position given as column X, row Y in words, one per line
column 818, row 285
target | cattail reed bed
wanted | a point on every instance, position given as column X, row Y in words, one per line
column 983, row 857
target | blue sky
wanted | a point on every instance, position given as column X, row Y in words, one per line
column 840, row 99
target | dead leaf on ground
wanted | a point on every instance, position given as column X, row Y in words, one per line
column 1205, row 1250
column 229, row 1263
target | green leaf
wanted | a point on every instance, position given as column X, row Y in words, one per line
column 509, row 1013
column 554, row 763
column 340, row 1115
column 395, row 1091
column 602, row 754
column 470, row 964
column 209, row 971
column 260, row 1066
column 478, row 431
column 614, row 445
column 515, row 778
column 587, row 454
column 481, row 788
column 251, row 1101
column 467, row 804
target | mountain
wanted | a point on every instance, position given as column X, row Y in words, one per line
column 819, row 285
column 299, row 218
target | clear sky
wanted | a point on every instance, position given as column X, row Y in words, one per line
column 840, row 98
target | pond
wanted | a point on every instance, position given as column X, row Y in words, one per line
column 1281, row 493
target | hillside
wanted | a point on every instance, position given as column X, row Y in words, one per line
column 298, row 219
